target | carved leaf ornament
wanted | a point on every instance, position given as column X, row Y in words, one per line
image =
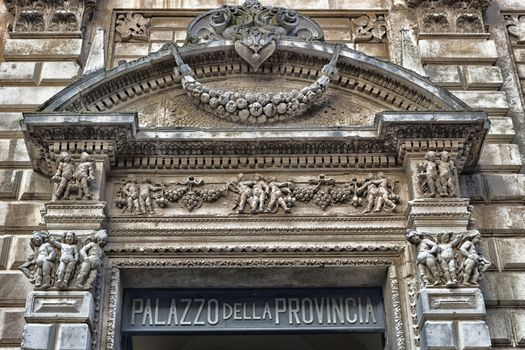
column 516, row 27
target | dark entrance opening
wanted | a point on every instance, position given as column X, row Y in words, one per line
column 335, row 341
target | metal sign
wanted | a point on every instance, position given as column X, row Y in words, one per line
column 275, row 310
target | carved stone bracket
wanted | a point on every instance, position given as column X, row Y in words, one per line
column 50, row 16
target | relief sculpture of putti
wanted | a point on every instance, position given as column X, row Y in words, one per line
column 74, row 179
column 437, row 175
column 64, row 262
column 449, row 259
column 257, row 194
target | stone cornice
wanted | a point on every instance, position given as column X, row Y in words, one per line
column 118, row 137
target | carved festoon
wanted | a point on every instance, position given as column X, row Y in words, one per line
column 74, row 179
column 437, row 175
column 256, row 107
column 132, row 27
column 450, row 16
column 50, row 15
column 449, row 259
column 258, row 194
column 64, row 262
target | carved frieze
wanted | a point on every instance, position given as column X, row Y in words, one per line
column 50, row 15
column 449, row 259
column 516, row 27
column 257, row 194
column 369, row 28
column 437, row 175
column 450, row 16
column 66, row 262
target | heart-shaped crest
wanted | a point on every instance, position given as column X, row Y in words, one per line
column 255, row 59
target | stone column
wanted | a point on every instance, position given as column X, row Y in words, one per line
column 61, row 315
column 450, row 308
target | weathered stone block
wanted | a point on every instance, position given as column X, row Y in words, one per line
column 73, row 337
column 35, row 186
column 10, row 124
column 9, row 183
column 62, row 306
column 337, row 35
column 21, row 216
column 38, row 336
column 501, row 130
column 20, row 72
column 499, row 218
column 500, row 158
column 25, row 97
column 13, row 152
column 519, row 55
column 457, row 50
column 59, row 72
column 11, row 326
column 499, row 326
column 473, row 187
column 438, row 335
column 42, row 49
column 494, row 102
column 503, row 288
column 20, row 250
column 372, row 49
column 483, row 77
column 170, row 22
column 131, row 49
column 5, row 243
column 506, row 187
column 518, row 320
column 473, row 335
column 14, row 287
column 161, row 35
column 447, row 76
column 510, row 252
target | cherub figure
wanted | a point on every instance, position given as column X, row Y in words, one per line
column 428, row 174
column 68, row 258
column 426, row 258
column 447, row 174
column 279, row 193
column 245, row 191
column 91, row 258
column 43, row 261
column 64, row 176
column 446, row 257
column 145, row 196
column 474, row 264
column 84, row 175
column 380, row 193
column 260, row 190
column 131, row 192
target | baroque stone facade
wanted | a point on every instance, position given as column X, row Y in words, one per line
column 328, row 145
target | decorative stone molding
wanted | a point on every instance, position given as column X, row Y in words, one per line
column 449, row 259
column 116, row 136
column 450, row 16
column 50, row 16
column 58, row 262
column 132, row 26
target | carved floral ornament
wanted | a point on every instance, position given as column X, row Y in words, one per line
column 257, row 194
column 50, row 15
column 450, row 16
column 516, row 27
column 66, row 261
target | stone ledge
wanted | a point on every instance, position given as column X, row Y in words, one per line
column 456, row 51
column 42, row 49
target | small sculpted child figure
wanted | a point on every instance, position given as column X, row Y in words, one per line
column 91, row 257
column 68, row 258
